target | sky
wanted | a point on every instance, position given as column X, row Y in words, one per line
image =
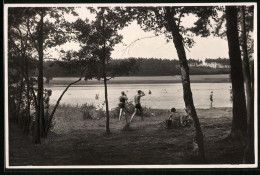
column 155, row 47
column 210, row 47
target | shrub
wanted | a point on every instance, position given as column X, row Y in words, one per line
column 90, row 112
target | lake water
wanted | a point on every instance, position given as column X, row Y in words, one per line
column 164, row 96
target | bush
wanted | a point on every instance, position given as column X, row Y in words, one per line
column 90, row 112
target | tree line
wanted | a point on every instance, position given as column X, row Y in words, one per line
column 32, row 32
column 144, row 67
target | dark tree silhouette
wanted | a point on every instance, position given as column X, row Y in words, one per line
column 239, row 122
column 178, row 42
column 36, row 33
column 97, row 40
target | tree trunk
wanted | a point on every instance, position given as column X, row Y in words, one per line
column 17, row 118
column 28, row 117
column 249, row 156
column 246, row 64
column 239, row 122
column 106, row 99
column 40, row 117
column 107, row 109
column 105, row 77
column 188, row 99
column 28, row 101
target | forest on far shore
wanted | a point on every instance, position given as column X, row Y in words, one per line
column 147, row 67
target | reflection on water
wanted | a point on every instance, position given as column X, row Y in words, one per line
column 163, row 96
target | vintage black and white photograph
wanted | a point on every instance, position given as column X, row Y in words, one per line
column 131, row 85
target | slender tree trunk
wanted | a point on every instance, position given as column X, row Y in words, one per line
column 239, row 122
column 246, row 64
column 39, row 123
column 249, row 151
column 27, row 112
column 249, row 155
column 105, row 77
column 107, row 109
column 106, row 99
column 19, row 101
column 28, row 119
column 188, row 99
column 42, row 119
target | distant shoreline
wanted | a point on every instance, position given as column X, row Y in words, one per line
column 220, row 78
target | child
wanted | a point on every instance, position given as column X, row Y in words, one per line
column 174, row 119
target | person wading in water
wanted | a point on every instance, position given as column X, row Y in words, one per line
column 211, row 99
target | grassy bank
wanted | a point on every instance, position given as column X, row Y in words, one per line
column 79, row 140
column 221, row 78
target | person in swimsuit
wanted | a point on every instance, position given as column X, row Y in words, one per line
column 211, row 99
column 47, row 104
column 138, row 104
column 122, row 100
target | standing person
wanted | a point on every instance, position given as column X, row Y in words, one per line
column 138, row 104
column 47, row 104
column 211, row 99
column 122, row 100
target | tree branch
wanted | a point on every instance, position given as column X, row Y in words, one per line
column 58, row 102
column 15, row 44
column 186, row 47
column 138, row 40
column 179, row 20
column 27, row 33
column 35, row 45
column 110, row 78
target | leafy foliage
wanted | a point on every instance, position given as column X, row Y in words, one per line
column 28, row 31
column 97, row 39
column 153, row 19
column 222, row 61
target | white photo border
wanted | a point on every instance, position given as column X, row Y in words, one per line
column 6, row 123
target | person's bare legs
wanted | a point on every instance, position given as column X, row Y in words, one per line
column 125, row 116
column 120, row 114
column 141, row 113
column 133, row 115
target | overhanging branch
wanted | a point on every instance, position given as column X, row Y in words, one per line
column 58, row 101
column 138, row 40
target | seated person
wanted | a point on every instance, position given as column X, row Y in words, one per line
column 174, row 119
